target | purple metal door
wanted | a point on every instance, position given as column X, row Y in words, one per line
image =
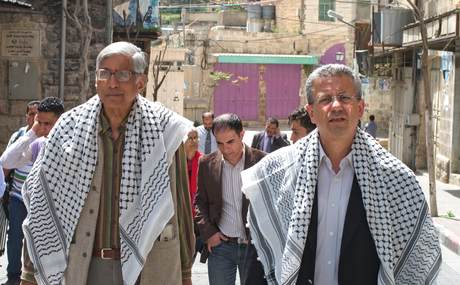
column 282, row 83
column 240, row 94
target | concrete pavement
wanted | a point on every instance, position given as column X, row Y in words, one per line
column 448, row 220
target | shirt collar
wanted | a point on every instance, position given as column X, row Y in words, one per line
column 105, row 125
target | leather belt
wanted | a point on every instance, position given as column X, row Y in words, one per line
column 107, row 253
column 236, row 240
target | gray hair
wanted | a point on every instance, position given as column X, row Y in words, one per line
column 192, row 129
column 124, row 48
column 330, row 70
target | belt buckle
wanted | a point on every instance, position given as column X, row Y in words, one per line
column 242, row 241
column 103, row 251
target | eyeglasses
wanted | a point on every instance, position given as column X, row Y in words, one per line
column 342, row 98
column 120, row 75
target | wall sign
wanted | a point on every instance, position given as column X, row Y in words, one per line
column 20, row 43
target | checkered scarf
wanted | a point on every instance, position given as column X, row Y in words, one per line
column 281, row 191
column 57, row 186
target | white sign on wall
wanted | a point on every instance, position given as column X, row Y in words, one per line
column 20, row 43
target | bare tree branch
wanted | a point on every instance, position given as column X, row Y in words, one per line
column 157, row 64
column 428, row 106
column 78, row 12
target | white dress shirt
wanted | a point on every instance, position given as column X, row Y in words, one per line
column 202, row 132
column 231, row 221
column 333, row 193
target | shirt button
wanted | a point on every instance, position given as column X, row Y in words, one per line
column 88, row 234
column 333, row 205
column 331, row 233
column 91, row 211
column 84, row 254
column 94, row 188
column 329, row 262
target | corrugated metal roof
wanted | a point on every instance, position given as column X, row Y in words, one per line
column 16, row 3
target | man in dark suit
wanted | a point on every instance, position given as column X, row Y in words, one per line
column 271, row 139
column 336, row 208
column 221, row 207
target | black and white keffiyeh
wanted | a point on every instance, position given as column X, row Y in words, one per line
column 57, row 186
column 281, row 191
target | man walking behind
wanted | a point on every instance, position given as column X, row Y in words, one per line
column 337, row 208
column 300, row 124
column 18, row 157
column 221, row 208
column 103, row 192
column 206, row 139
column 371, row 126
column 271, row 139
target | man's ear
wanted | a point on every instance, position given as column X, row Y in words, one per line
column 141, row 82
column 309, row 108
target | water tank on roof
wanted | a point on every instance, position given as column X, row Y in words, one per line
column 254, row 11
column 388, row 24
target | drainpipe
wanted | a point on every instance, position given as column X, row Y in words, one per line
column 62, row 50
column 414, row 131
column 109, row 22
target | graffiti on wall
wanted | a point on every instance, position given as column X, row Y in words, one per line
column 146, row 13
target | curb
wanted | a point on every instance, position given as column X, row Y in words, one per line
column 448, row 238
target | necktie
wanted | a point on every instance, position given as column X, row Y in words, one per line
column 207, row 144
column 267, row 144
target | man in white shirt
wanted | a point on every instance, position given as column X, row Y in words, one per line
column 337, row 208
column 206, row 139
column 19, row 156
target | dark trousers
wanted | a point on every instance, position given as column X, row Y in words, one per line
column 14, row 243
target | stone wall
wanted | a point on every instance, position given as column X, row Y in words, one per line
column 45, row 18
column 288, row 16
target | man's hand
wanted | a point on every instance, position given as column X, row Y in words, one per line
column 215, row 240
column 39, row 131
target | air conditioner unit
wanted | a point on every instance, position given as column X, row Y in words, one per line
column 388, row 24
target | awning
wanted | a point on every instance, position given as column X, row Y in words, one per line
column 266, row 58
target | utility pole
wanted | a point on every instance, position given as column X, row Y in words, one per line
column 109, row 22
column 428, row 104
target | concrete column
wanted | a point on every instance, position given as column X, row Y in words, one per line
column 455, row 160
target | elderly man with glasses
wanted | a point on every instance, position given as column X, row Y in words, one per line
column 106, row 199
column 337, row 208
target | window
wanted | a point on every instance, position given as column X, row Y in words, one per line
column 324, row 6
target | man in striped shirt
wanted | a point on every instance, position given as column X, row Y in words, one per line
column 18, row 157
column 221, row 207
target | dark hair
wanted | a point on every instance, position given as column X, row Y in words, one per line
column 227, row 121
column 371, row 117
column 51, row 104
column 207, row 114
column 272, row 120
column 31, row 104
column 301, row 115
